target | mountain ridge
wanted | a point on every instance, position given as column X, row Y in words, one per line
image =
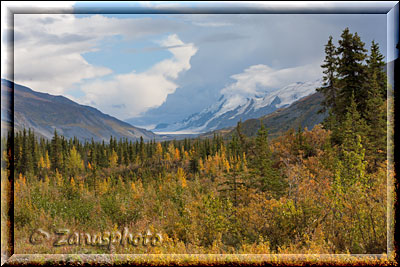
column 43, row 112
column 228, row 110
column 302, row 113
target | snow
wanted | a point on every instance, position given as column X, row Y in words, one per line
column 287, row 95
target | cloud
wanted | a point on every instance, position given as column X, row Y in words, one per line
column 211, row 24
column 223, row 37
column 257, row 79
column 128, row 95
column 48, row 48
column 7, row 30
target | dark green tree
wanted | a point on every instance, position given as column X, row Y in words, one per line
column 26, row 156
column 263, row 175
column 376, row 72
column 375, row 112
column 351, row 72
column 353, row 125
column 329, row 88
column 56, row 152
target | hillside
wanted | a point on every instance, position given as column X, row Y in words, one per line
column 44, row 112
column 303, row 112
column 230, row 109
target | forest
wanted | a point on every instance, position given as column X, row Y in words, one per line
column 320, row 191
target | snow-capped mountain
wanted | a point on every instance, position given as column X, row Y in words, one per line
column 230, row 109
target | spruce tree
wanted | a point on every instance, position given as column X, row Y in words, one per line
column 26, row 156
column 242, row 138
column 375, row 112
column 351, row 72
column 329, row 88
column 18, row 152
column 56, row 152
column 263, row 175
column 353, row 125
column 142, row 152
column 375, row 65
column 34, row 150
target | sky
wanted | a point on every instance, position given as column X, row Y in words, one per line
column 160, row 68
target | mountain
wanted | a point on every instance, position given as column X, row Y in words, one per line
column 44, row 112
column 230, row 109
column 303, row 113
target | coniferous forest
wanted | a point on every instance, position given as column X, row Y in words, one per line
column 318, row 191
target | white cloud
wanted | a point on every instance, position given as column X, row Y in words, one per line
column 128, row 95
column 48, row 48
column 6, row 28
column 48, row 52
column 212, row 24
column 258, row 79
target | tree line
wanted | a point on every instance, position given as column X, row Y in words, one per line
column 307, row 191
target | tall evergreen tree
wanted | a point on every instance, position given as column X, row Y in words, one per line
column 26, row 157
column 56, row 152
column 351, row 71
column 242, row 138
column 34, row 150
column 376, row 73
column 330, row 87
column 142, row 151
column 263, row 175
column 352, row 126
column 375, row 112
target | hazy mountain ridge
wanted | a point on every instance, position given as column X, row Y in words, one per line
column 228, row 110
column 44, row 112
column 291, row 106
column 302, row 113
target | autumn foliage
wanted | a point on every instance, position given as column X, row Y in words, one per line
column 321, row 191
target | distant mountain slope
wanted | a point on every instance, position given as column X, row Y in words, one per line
column 44, row 112
column 303, row 112
column 230, row 109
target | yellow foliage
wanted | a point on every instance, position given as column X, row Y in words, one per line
column 104, row 186
column 302, row 221
column 171, row 150
column 177, row 154
column 59, row 179
column 23, row 179
column 168, row 157
column 46, row 180
column 121, row 181
column 237, row 166
column 73, row 183
column 47, row 161
column 223, row 151
column 81, row 186
column 75, row 163
column 227, row 166
column 184, row 184
column 17, row 186
column 133, row 187
column 201, row 165
column 159, row 150
column 244, row 162
column 113, row 159
column 182, row 177
column 41, row 163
